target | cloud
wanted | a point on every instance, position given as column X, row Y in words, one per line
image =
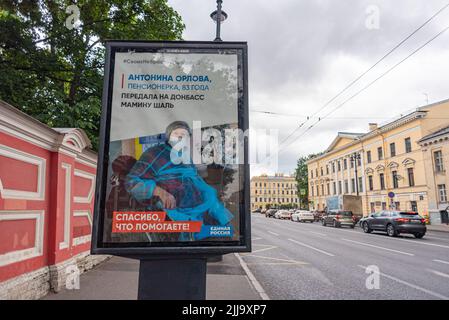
column 302, row 53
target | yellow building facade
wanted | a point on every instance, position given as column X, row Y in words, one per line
column 391, row 169
column 273, row 191
column 435, row 148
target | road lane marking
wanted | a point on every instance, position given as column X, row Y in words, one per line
column 411, row 285
column 441, row 261
column 277, row 259
column 382, row 248
column 264, row 249
column 252, row 278
column 313, row 248
column 320, row 234
column 419, row 241
column 438, row 273
column 273, row 233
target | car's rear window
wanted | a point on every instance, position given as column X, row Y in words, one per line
column 408, row 214
column 345, row 213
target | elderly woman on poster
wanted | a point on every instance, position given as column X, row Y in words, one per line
column 182, row 193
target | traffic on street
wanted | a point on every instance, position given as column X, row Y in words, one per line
column 294, row 260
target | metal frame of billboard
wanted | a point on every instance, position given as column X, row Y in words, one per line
column 185, row 249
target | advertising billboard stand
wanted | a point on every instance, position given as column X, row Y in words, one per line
column 172, row 278
column 172, row 186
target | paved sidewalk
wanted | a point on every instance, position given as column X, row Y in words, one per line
column 117, row 279
column 438, row 227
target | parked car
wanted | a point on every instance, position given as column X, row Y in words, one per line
column 283, row 214
column 270, row 213
column 303, row 216
column 394, row 223
column 338, row 218
column 257, row 211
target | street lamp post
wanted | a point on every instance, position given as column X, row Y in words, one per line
column 218, row 16
column 355, row 158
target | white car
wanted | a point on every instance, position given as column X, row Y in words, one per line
column 282, row 214
column 303, row 216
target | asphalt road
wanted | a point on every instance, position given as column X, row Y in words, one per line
column 294, row 260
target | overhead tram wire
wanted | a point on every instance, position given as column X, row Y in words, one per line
column 368, row 70
column 369, row 85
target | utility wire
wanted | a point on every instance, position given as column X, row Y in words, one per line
column 369, row 85
column 368, row 70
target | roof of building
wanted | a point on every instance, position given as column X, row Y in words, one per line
column 435, row 134
column 417, row 114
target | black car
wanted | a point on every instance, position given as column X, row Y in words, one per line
column 394, row 223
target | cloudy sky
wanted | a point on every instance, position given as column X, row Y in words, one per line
column 303, row 53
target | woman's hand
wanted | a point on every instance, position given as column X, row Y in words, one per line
column 168, row 201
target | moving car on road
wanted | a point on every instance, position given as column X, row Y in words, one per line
column 394, row 223
column 303, row 216
column 283, row 214
column 338, row 218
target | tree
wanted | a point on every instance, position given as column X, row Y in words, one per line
column 55, row 73
column 301, row 176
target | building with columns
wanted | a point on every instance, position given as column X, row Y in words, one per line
column 385, row 160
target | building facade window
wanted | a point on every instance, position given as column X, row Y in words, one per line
column 438, row 159
column 392, row 149
column 339, row 166
column 328, row 189
column 384, row 206
column 345, row 164
column 411, row 177
column 442, row 193
column 397, row 205
column 395, row 179
column 368, row 156
column 370, row 183
column 334, row 188
column 333, row 167
column 372, row 206
column 360, row 184
column 353, row 184
column 382, row 181
column 380, row 154
column 327, row 169
column 346, row 186
column 408, row 145
column 414, row 206
column 339, row 187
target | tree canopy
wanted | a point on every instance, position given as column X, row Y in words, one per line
column 55, row 73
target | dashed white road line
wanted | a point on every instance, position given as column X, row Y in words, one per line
column 438, row 273
column 273, row 233
column 378, row 247
column 252, row 278
column 441, row 261
column 313, row 248
column 440, row 296
column 320, row 234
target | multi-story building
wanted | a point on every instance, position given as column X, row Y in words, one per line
column 273, row 191
column 435, row 148
column 385, row 165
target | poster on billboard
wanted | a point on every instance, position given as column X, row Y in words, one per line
column 173, row 173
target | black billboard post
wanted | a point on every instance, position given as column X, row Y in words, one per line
column 172, row 184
